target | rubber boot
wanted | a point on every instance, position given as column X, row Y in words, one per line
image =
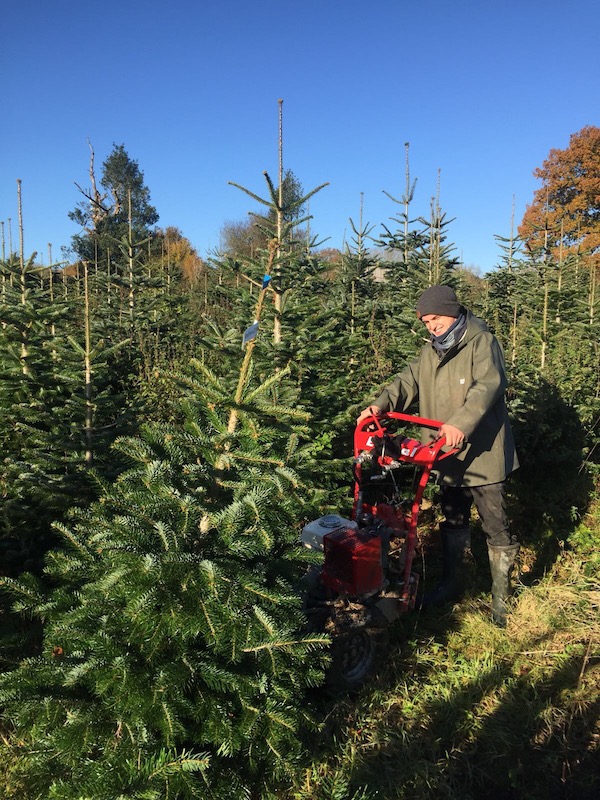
column 502, row 560
column 456, row 543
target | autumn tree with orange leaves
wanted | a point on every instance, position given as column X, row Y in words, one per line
column 564, row 216
column 176, row 249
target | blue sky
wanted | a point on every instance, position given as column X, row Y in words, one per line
column 482, row 91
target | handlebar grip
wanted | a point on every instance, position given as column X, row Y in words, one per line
column 424, row 422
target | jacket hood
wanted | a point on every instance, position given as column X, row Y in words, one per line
column 475, row 326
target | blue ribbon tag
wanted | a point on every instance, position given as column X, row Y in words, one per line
column 250, row 333
column 266, row 281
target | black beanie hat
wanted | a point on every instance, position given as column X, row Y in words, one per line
column 439, row 300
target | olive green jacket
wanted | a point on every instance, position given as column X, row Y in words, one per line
column 466, row 389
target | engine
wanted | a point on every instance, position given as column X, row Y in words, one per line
column 353, row 561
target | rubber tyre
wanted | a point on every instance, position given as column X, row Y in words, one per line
column 356, row 655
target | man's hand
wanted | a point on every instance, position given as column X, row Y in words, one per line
column 454, row 436
column 371, row 411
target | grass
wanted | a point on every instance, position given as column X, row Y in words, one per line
column 465, row 710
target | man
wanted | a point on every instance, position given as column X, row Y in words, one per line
column 459, row 378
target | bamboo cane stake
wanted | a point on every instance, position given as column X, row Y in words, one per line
column 24, row 347
column 89, row 405
column 277, row 287
column 130, row 256
column 233, row 417
column 407, row 199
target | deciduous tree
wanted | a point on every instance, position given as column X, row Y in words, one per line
column 565, row 211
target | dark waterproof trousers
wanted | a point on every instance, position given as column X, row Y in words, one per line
column 456, row 502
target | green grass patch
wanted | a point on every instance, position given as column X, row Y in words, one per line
column 465, row 710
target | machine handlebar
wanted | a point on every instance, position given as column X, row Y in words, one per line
column 411, row 450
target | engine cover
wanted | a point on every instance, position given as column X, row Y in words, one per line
column 353, row 562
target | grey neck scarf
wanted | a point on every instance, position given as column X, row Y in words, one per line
column 442, row 343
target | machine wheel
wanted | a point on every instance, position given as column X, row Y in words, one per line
column 356, row 654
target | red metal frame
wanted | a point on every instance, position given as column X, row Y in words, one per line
column 411, row 452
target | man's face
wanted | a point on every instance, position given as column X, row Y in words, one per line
column 437, row 323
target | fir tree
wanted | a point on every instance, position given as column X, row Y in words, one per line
column 283, row 217
column 120, row 204
column 538, row 306
column 42, row 421
column 417, row 255
column 173, row 637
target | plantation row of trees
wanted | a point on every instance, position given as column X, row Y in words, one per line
column 155, row 474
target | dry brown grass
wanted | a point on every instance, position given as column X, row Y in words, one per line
column 465, row 710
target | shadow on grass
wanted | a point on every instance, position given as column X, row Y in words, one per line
column 440, row 723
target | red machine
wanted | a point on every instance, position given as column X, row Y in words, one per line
column 366, row 579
